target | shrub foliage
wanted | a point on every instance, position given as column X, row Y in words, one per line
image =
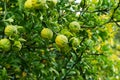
column 75, row 43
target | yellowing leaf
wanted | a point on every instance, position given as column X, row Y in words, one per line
column 89, row 34
column 95, row 1
column 111, row 41
column 113, row 57
column 24, row 74
column 104, row 17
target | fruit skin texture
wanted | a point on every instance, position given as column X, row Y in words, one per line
column 5, row 44
column 38, row 4
column 28, row 4
column 17, row 46
column 74, row 26
column 61, row 41
column 10, row 30
column 74, row 41
column 46, row 33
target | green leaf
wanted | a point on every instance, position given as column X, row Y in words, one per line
column 22, row 40
column 103, row 35
column 54, row 70
column 106, row 47
column 4, row 73
column 20, row 3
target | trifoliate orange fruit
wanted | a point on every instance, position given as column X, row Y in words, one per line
column 5, row 44
column 38, row 4
column 74, row 26
column 46, row 33
column 61, row 40
column 74, row 41
column 28, row 4
column 17, row 46
column 10, row 30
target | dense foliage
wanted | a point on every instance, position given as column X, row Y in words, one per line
column 59, row 39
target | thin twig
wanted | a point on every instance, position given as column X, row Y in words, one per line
column 115, row 11
column 76, row 62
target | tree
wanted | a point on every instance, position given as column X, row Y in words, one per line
column 58, row 39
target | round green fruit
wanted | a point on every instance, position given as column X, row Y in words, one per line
column 47, row 33
column 28, row 4
column 74, row 26
column 61, row 40
column 74, row 42
column 10, row 30
column 38, row 4
column 17, row 46
column 5, row 44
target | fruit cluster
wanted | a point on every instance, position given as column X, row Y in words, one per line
column 12, row 40
column 65, row 38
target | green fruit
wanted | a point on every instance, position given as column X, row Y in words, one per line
column 10, row 30
column 74, row 26
column 66, row 33
column 28, row 4
column 74, row 41
column 38, row 4
column 5, row 44
column 35, row 4
column 51, row 3
column 61, row 40
column 47, row 33
column 17, row 46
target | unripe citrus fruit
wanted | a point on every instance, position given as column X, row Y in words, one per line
column 74, row 26
column 10, row 30
column 38, row 4
column 74, row 41
column 61, row 40
column 51, row 3
column 28, row 4
column 17, row 46
column 5, row 44
column 47, row 33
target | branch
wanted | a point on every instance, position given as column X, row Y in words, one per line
column 104, row 10
column 77, row 61
column 96, row 54
column 84, row 26
column 114, row 11
column 84, row 5
column 116, row 23
column 111, row 19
